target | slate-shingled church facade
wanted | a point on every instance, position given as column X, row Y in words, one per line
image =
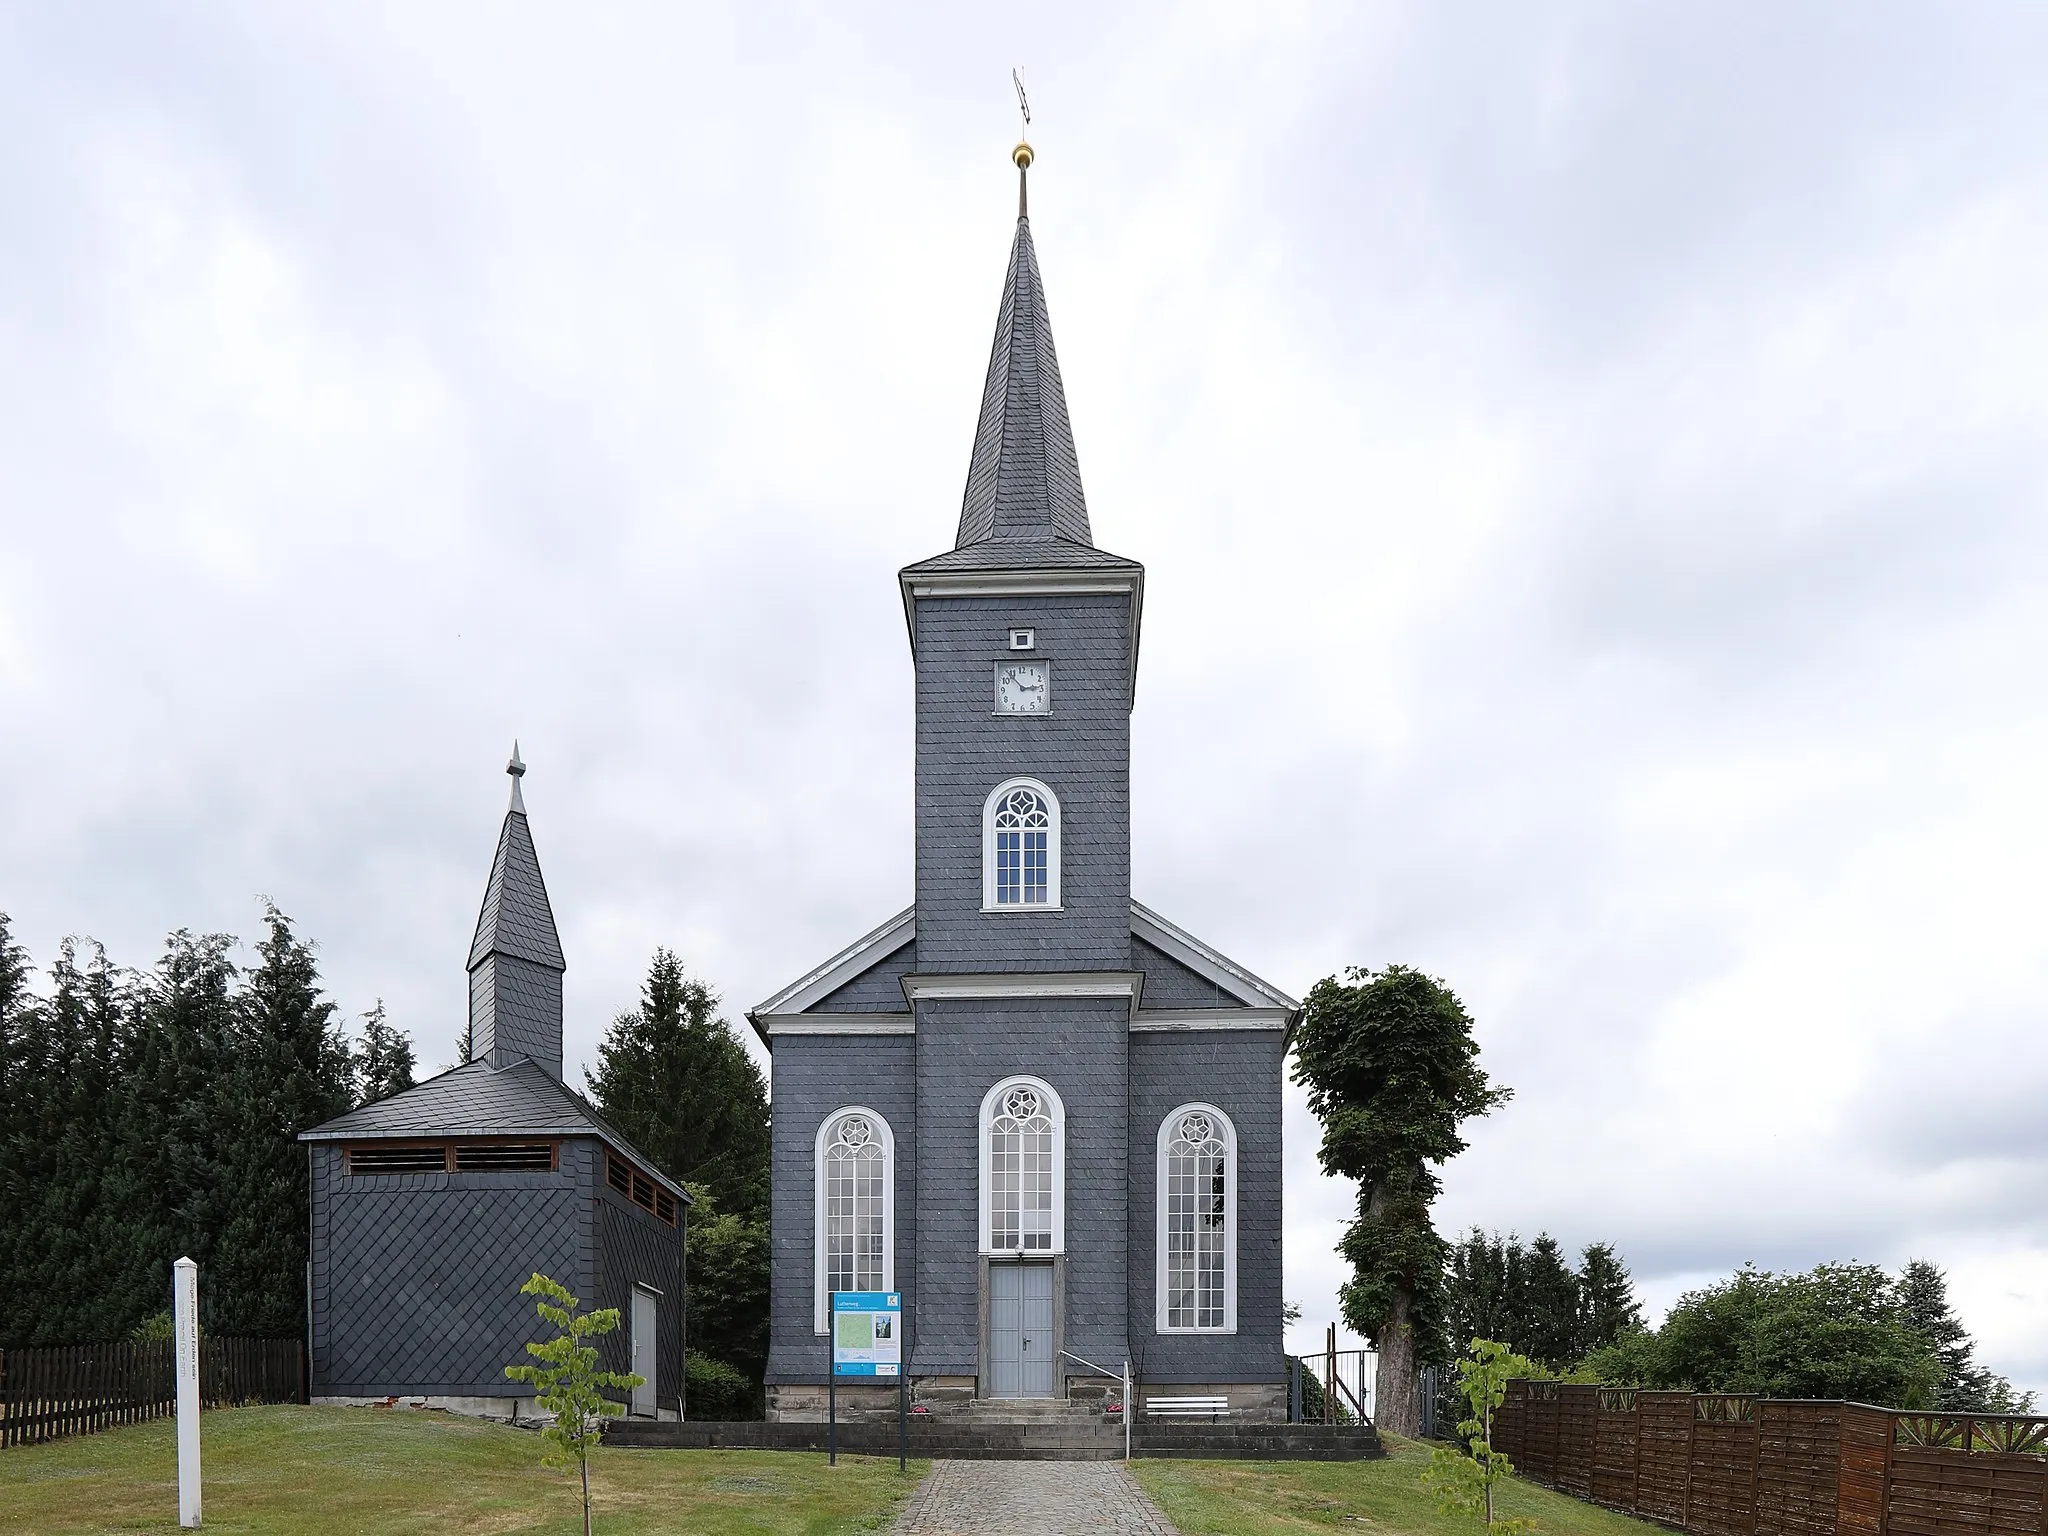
column 431, row 1208
column 1046, row 1115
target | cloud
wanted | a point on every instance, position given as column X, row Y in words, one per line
column 1587, row 463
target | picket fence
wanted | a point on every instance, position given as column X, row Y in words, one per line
column 46, row 1394
column 1732, row 1465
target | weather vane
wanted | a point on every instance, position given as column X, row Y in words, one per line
column 1022, row 153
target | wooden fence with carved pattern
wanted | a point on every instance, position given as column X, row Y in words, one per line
column 46, row 1394
column 1722, row 1464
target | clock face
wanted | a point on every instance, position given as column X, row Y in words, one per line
column 1023, row 687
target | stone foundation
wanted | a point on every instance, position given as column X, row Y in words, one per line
column 806, row 1404
column 506, row 1410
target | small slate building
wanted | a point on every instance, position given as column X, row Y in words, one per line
column 431, row 1208
column 1046, row 1115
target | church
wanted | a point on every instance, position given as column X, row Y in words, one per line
column 1043, row 1113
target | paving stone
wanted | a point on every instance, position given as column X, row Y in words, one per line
column 1031, row 1498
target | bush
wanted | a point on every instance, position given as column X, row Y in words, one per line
column 719, row 1393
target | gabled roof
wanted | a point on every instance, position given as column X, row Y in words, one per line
column 1247, row 991
column 476, row 1099
column 1023, row 479
column 516, row 919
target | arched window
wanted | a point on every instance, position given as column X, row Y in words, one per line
column 1197, row 1221
column 855, row 1206
column 1023, row 1169
column 1020, row 848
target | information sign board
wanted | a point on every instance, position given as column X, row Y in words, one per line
column 867, row 1333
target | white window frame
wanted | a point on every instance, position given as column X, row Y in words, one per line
column 822, row 1301
column 1052, row 849
column 1059, row 1168
column 1229, row 1129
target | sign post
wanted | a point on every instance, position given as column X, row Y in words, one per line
column 867, row 1341
column 185, row 1320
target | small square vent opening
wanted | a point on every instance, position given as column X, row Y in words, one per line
column 1023, row 639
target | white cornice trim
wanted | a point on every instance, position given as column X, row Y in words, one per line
column 841, row 968
column 774, row 1025
column 1025, row 984
column 1028, row 583
column 1206, row 962
column 1211, row 1018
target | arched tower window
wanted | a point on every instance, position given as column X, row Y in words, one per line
column 1020, row 848
column 1023, row 1169
column 855, row 1206
column 1197, row 1241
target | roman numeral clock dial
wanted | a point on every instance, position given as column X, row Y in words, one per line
column 1023, row 687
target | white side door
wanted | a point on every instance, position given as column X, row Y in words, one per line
column 645, row 1351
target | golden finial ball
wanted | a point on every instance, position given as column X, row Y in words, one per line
column 1022, row 155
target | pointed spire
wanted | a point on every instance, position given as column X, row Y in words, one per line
column 516, row 918
column 1024, row 478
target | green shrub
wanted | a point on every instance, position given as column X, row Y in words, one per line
column 719, row 1393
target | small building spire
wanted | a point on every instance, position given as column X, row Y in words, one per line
column 518, row 771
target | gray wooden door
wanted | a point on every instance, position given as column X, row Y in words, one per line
column 1020, row 1330
column 644, row 1351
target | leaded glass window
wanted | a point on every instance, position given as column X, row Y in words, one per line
column 1196, row 1201
column 1023, row 837
column 1022, row 1151
column 855, row 1174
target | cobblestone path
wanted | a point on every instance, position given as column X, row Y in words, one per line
column 1031, row 1498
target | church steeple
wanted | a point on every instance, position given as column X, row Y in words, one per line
column 1024, row 480
column 515, row 960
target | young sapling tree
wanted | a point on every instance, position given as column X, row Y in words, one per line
column 1463, row 1479
column 566, row 1381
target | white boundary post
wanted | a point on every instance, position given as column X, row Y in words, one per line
column 185, row 1307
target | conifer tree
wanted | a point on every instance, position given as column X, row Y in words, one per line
column 677, row 1082
column 1965, row 1386
column 1608, row 1307
column 383, row 1058
column 289, row 1069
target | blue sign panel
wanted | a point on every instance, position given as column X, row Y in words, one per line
column 867, row 1333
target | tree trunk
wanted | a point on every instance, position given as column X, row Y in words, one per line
column 1397, row 1395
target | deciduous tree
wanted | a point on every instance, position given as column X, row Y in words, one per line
column 1392, row 1071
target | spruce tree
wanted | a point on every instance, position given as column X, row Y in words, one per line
column 383, row 1058
column 1553, row 1306
column 1608, row 1308
column 290, row 1069
column 677, row 1082
column 1965, row 1386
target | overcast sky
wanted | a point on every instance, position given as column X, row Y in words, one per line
column 1588, row 461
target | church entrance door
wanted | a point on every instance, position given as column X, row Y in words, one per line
column 1020, row 1330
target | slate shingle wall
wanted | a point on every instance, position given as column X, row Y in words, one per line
column 515, row 1008
column 1081, row 751
column 416, row 1277
column 964, row 1049
column 634, row 1248
column 879, row 990
column 815, row 1075
column 1169, row 984
column 1238, row 1072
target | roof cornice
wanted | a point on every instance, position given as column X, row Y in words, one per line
column 1027, row 581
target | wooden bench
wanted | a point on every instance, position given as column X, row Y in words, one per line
column 1188, row 1407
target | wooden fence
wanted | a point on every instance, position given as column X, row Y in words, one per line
column 1726, row 1465
column 46, row 1394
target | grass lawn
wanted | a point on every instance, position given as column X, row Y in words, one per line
column 350, row 1471
column 1253, row 1498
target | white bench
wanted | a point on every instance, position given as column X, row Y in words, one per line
column 1188, row 1407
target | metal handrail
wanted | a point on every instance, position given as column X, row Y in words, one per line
column 1125, row 1379
column 1098, row 1370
